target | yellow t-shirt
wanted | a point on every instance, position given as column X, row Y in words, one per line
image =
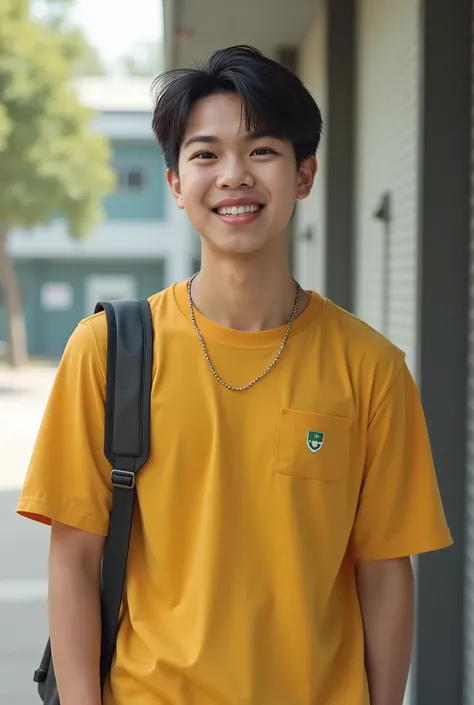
column 253, row 507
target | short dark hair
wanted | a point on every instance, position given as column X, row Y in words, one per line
column 274, row 99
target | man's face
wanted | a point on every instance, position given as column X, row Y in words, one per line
column 238, row 189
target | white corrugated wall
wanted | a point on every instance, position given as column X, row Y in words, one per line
column 310, row 219
column 387, row 80
column 386, row 159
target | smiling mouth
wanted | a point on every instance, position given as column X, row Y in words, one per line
column 237, row 210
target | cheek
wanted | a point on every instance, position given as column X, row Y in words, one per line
column 194, row 186
column 282, row 187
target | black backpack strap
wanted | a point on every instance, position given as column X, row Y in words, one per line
column 127, row 446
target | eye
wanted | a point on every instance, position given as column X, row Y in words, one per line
column 203, row 155
column 263, row 151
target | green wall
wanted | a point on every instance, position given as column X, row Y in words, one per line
column 48, row 331
column 147, row 202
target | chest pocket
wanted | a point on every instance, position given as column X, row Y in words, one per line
column 312, row 445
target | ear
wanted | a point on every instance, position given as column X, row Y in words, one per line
column 306, row 173
column 175, row 185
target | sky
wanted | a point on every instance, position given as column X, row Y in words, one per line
column 116, row 27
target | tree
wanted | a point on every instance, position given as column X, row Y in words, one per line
column 50, row 160
column 84, row 59
column 56, row 16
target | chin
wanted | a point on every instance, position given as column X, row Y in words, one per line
column 244, row 242
column 242, row 245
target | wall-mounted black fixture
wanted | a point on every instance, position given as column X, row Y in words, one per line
column 384, row 209
column 308, row 234
column 383, row 213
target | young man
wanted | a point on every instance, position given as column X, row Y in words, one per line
column 290, row 476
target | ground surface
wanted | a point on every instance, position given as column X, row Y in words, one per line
column 24, row 544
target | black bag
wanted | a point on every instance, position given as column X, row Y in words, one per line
column 127, row 447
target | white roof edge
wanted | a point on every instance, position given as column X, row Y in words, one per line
column 115, row 94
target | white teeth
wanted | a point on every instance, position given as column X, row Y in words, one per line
column 237, row 210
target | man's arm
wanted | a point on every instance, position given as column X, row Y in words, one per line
column 386, row 595
column 74, row 613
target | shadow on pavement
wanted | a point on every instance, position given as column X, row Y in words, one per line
column 13, row 391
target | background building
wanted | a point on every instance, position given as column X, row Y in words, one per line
column 143, row 244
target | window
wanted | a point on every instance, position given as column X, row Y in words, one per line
column 131, row 179
column 135, row 179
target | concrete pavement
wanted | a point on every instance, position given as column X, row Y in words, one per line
column 24, row 544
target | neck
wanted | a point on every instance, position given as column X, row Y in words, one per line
column 245, row 296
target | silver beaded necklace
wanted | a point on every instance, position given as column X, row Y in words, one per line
column 203, row 345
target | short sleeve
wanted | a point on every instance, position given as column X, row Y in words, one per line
column 400, row 511
column 68, row 479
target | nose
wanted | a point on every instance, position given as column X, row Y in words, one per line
column 234, row 175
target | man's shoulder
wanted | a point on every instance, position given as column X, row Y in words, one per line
column 367, row 352
column 89, row 339
column 159, row 306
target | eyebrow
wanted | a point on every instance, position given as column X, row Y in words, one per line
column 213, row 139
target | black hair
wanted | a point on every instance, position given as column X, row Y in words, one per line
column 274, row 100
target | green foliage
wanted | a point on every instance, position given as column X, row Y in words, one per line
column 50, row 159
column 56, row 16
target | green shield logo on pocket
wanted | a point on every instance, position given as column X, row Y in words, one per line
column 315, row 441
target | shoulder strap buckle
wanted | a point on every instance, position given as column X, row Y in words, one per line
column 123, row 478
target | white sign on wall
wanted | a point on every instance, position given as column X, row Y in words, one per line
column 106, row 287
column 57, row 296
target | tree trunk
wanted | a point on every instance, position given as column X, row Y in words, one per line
column 16, row 329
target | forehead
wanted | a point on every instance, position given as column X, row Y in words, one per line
column 219, row 114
